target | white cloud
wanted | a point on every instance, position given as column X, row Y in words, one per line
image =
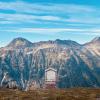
column 51, row 18
column 53, row 31
column 27, row 18
column 54, row 13
column 15, row 18
column 20, row 6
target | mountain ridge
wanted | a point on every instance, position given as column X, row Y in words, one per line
column 77, row 65
column 96, row 39
column 20, row 43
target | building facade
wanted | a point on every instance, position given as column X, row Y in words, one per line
column 50, row 78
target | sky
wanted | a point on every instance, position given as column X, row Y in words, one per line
column 42, row 20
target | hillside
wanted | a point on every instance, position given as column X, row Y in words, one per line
column 22, row 62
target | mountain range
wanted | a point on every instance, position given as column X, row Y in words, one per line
column 77, row 65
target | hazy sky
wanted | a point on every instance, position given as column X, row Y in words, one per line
column 38, row 20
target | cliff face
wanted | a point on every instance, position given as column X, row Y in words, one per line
column 22, row 62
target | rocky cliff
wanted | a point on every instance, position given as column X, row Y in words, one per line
column 22, row 62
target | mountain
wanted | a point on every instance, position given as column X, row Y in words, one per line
column 94, row 46
column 96, row 39
column 22, row 62
column 20, row 43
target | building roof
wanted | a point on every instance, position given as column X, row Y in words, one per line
column 50, row 68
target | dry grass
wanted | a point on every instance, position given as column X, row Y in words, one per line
column 51, row 94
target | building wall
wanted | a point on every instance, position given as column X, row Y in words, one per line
column 50, row 75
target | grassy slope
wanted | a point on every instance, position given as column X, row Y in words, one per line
column 66, row 94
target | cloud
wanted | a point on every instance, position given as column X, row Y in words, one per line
column 53, row 31
column 20, row 6
column 51, row 18
column 57, row 16
column 27, row 18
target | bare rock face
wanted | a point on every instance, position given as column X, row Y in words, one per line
column 20, row 43
column 25, row 62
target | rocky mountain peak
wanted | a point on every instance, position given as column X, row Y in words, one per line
column 67, row 42
column 20, row 43
column 94, row 43
column 96, row 39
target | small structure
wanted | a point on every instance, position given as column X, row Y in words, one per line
column 34, row 85
column 50, row 78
